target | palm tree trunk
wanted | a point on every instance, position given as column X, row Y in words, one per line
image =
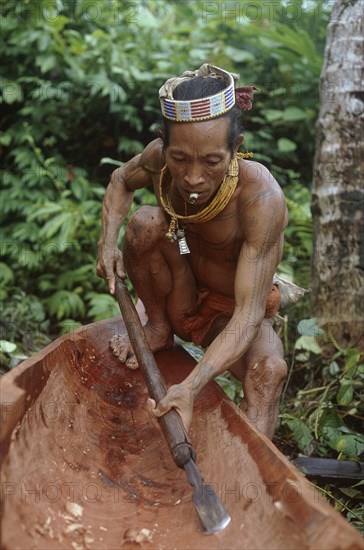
column 337, row 202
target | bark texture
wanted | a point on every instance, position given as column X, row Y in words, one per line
column 337, row 202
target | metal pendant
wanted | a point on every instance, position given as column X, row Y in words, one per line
column 171, row 234
column 182, row 243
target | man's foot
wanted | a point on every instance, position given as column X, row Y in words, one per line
column 159, row 338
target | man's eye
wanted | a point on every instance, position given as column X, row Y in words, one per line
column 178, row 159
column 212, row 162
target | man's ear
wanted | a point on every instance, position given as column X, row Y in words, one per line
column 238, row 141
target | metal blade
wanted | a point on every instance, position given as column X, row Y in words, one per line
column 211, row 511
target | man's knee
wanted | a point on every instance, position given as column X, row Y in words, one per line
column 146, row 226
column 264, row 375
column 274, row 368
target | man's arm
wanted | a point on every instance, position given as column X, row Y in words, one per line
column 135, row 174
column 258, row 260
column 264, row 222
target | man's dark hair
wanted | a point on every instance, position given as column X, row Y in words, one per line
column 198, row 88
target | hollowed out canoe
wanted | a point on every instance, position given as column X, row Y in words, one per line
column 84, row 465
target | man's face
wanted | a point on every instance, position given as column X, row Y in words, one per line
column 198, row 156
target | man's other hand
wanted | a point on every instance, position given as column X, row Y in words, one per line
column 109, row 262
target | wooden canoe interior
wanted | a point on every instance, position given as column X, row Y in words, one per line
column 85, row 467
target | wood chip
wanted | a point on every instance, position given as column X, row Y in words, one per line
column 88, row 539
column 132, row 535
column 75, row 509
column 74, row 527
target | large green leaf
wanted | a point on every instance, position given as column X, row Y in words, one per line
column 7, row 347
column 64, row 304
column 102, row 306
column 286, row 145
column 293, row 114
column 309, row 327
column 343, row 441
column 345, row 394
column 11, row 91
column 301, row 432
column 308, row 343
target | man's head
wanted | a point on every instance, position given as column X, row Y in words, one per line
column 198, row 157
column 201, row 128
column 201, row 87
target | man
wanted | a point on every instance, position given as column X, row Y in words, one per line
column 203, row 261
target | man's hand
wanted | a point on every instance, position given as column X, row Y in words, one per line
column 178, row 397
column 109, row 262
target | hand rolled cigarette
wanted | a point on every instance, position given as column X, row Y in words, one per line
column 193, row 197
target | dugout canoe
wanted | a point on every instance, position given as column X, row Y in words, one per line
column 85, row 467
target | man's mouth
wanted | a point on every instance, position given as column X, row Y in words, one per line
column 193, row 197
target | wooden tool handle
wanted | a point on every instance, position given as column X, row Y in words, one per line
column 171, row 422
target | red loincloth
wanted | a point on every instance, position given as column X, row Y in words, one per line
column 211, row 307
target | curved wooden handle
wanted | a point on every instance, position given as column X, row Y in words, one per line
column 171, row 423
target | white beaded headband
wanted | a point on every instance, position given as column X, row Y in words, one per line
column 198, row 109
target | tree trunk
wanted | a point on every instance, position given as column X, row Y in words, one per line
column 337, row 201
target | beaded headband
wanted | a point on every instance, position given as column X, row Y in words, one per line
column 198, row 109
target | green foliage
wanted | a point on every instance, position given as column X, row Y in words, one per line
column 231, row 386
column 24, row 328
column 279, row 49
column 328, row 405
column 300, row 431
column 322, row 409
column 77, row 91
column 10, row 355
column 103, row 306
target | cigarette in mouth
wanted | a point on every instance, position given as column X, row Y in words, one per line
column 193, row 197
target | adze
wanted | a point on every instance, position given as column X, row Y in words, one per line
column 211, row 511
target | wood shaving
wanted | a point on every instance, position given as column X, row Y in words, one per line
column 68, row 518
column 74, row 527
column 88, row 539
column 132, row 535
column 75, row 509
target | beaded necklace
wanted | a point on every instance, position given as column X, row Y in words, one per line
column 221, row 199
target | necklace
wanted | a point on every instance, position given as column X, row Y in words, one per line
column 218, row 203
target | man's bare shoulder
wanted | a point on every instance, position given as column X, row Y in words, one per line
column 260, row 193
column 138, row 172
column 253, row 174
column 152, row 158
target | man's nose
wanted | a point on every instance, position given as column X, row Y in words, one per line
column 194, row 174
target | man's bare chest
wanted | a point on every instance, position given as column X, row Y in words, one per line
column 218, row 241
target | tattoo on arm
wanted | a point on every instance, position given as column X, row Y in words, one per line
column 253, row 222
column 204, row 375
